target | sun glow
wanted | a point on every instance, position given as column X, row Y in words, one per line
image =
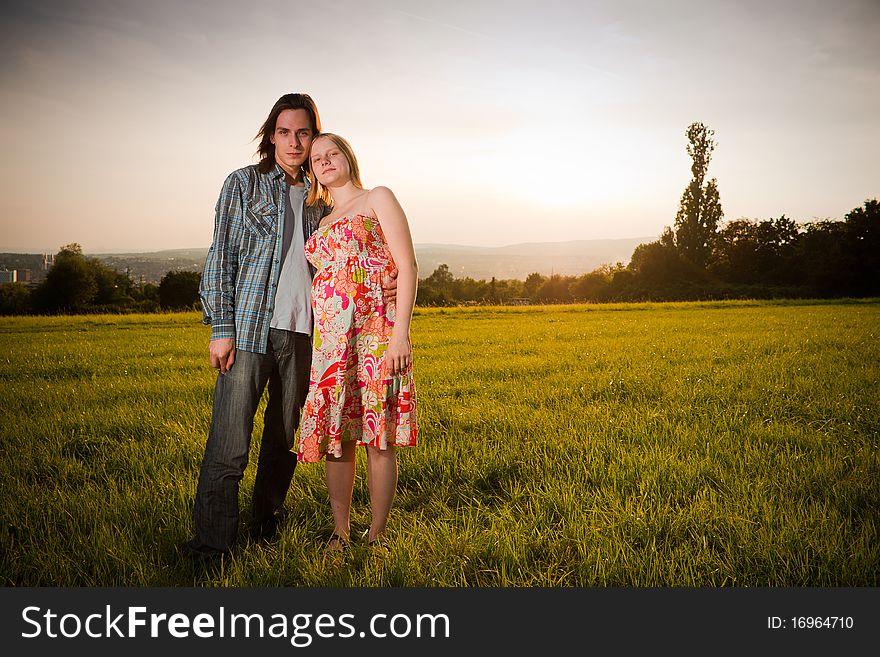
column 570, row 168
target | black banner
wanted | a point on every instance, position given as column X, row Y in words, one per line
column 188, row 621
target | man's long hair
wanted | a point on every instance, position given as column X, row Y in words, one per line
column 286, row 102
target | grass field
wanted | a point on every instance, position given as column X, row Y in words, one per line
column 699, row 444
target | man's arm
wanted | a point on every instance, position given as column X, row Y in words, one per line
column 218, row 279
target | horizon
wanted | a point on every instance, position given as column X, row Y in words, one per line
column 562, row 122
column 417, row 245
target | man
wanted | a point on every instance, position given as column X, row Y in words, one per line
column 256, row 295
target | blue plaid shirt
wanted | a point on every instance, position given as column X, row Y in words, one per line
column 241, row 272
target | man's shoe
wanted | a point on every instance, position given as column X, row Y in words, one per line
column 265, row 530
column 203, row 556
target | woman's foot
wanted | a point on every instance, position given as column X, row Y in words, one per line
column 379, row 546
column 337, row 543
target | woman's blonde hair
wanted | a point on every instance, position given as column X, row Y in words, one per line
column 318, row 192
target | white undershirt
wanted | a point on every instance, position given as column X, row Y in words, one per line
column 293, row 299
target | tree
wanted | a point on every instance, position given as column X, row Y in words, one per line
column 699, row 211
column 757, row 252
column 533, row 283
column 15, row 299
column 555, row 289
column 179, row 289
column 862, row 247
column 492, row 295
column 468, row 290
column 507, row 289
column 590, row 287
column 822, row 258
column 112, row 287
column 436, row 289
column 70, row 285
column 441, row 277
column 840, row 258
column 659, row 265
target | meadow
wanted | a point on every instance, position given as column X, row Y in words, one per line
column 696, row 444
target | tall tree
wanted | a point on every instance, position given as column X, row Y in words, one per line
column 699, row 212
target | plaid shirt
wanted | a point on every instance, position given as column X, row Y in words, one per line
column 241, row 272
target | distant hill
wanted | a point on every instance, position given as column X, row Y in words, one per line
column 480, row 262
column 519, row 260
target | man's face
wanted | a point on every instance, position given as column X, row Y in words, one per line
column 292, row 138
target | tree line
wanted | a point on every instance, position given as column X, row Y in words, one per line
column 699, row 258
column 746, row 259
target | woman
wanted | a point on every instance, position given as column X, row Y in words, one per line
column 361, row 389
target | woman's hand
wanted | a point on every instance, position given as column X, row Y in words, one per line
column 398, row 357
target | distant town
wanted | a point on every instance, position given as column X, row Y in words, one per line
column 29, row 269
column 142, row 268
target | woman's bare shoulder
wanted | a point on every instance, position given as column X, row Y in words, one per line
column 380, row 193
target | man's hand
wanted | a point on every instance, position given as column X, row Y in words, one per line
column 222, row 354
column 389, row 287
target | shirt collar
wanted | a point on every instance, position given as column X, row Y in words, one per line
column 278, row 172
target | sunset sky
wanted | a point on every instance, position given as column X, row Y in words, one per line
column 493, row 122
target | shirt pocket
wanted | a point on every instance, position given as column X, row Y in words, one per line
column 261, row 217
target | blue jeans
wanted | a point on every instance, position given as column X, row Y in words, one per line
column 285, row 367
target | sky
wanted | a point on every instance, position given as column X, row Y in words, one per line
column 494, row 123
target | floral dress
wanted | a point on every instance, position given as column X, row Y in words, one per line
column 350, row 395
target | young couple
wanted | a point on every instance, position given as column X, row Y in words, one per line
column 309, row 287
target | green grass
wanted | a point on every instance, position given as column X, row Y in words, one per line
column 698, row 444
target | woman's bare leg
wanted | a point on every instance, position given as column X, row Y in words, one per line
column 382, row 482
column 340, row 485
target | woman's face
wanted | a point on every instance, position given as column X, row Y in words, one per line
column 329, row 163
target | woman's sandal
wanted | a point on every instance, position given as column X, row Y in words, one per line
column 336, row 543
column 379, row 547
